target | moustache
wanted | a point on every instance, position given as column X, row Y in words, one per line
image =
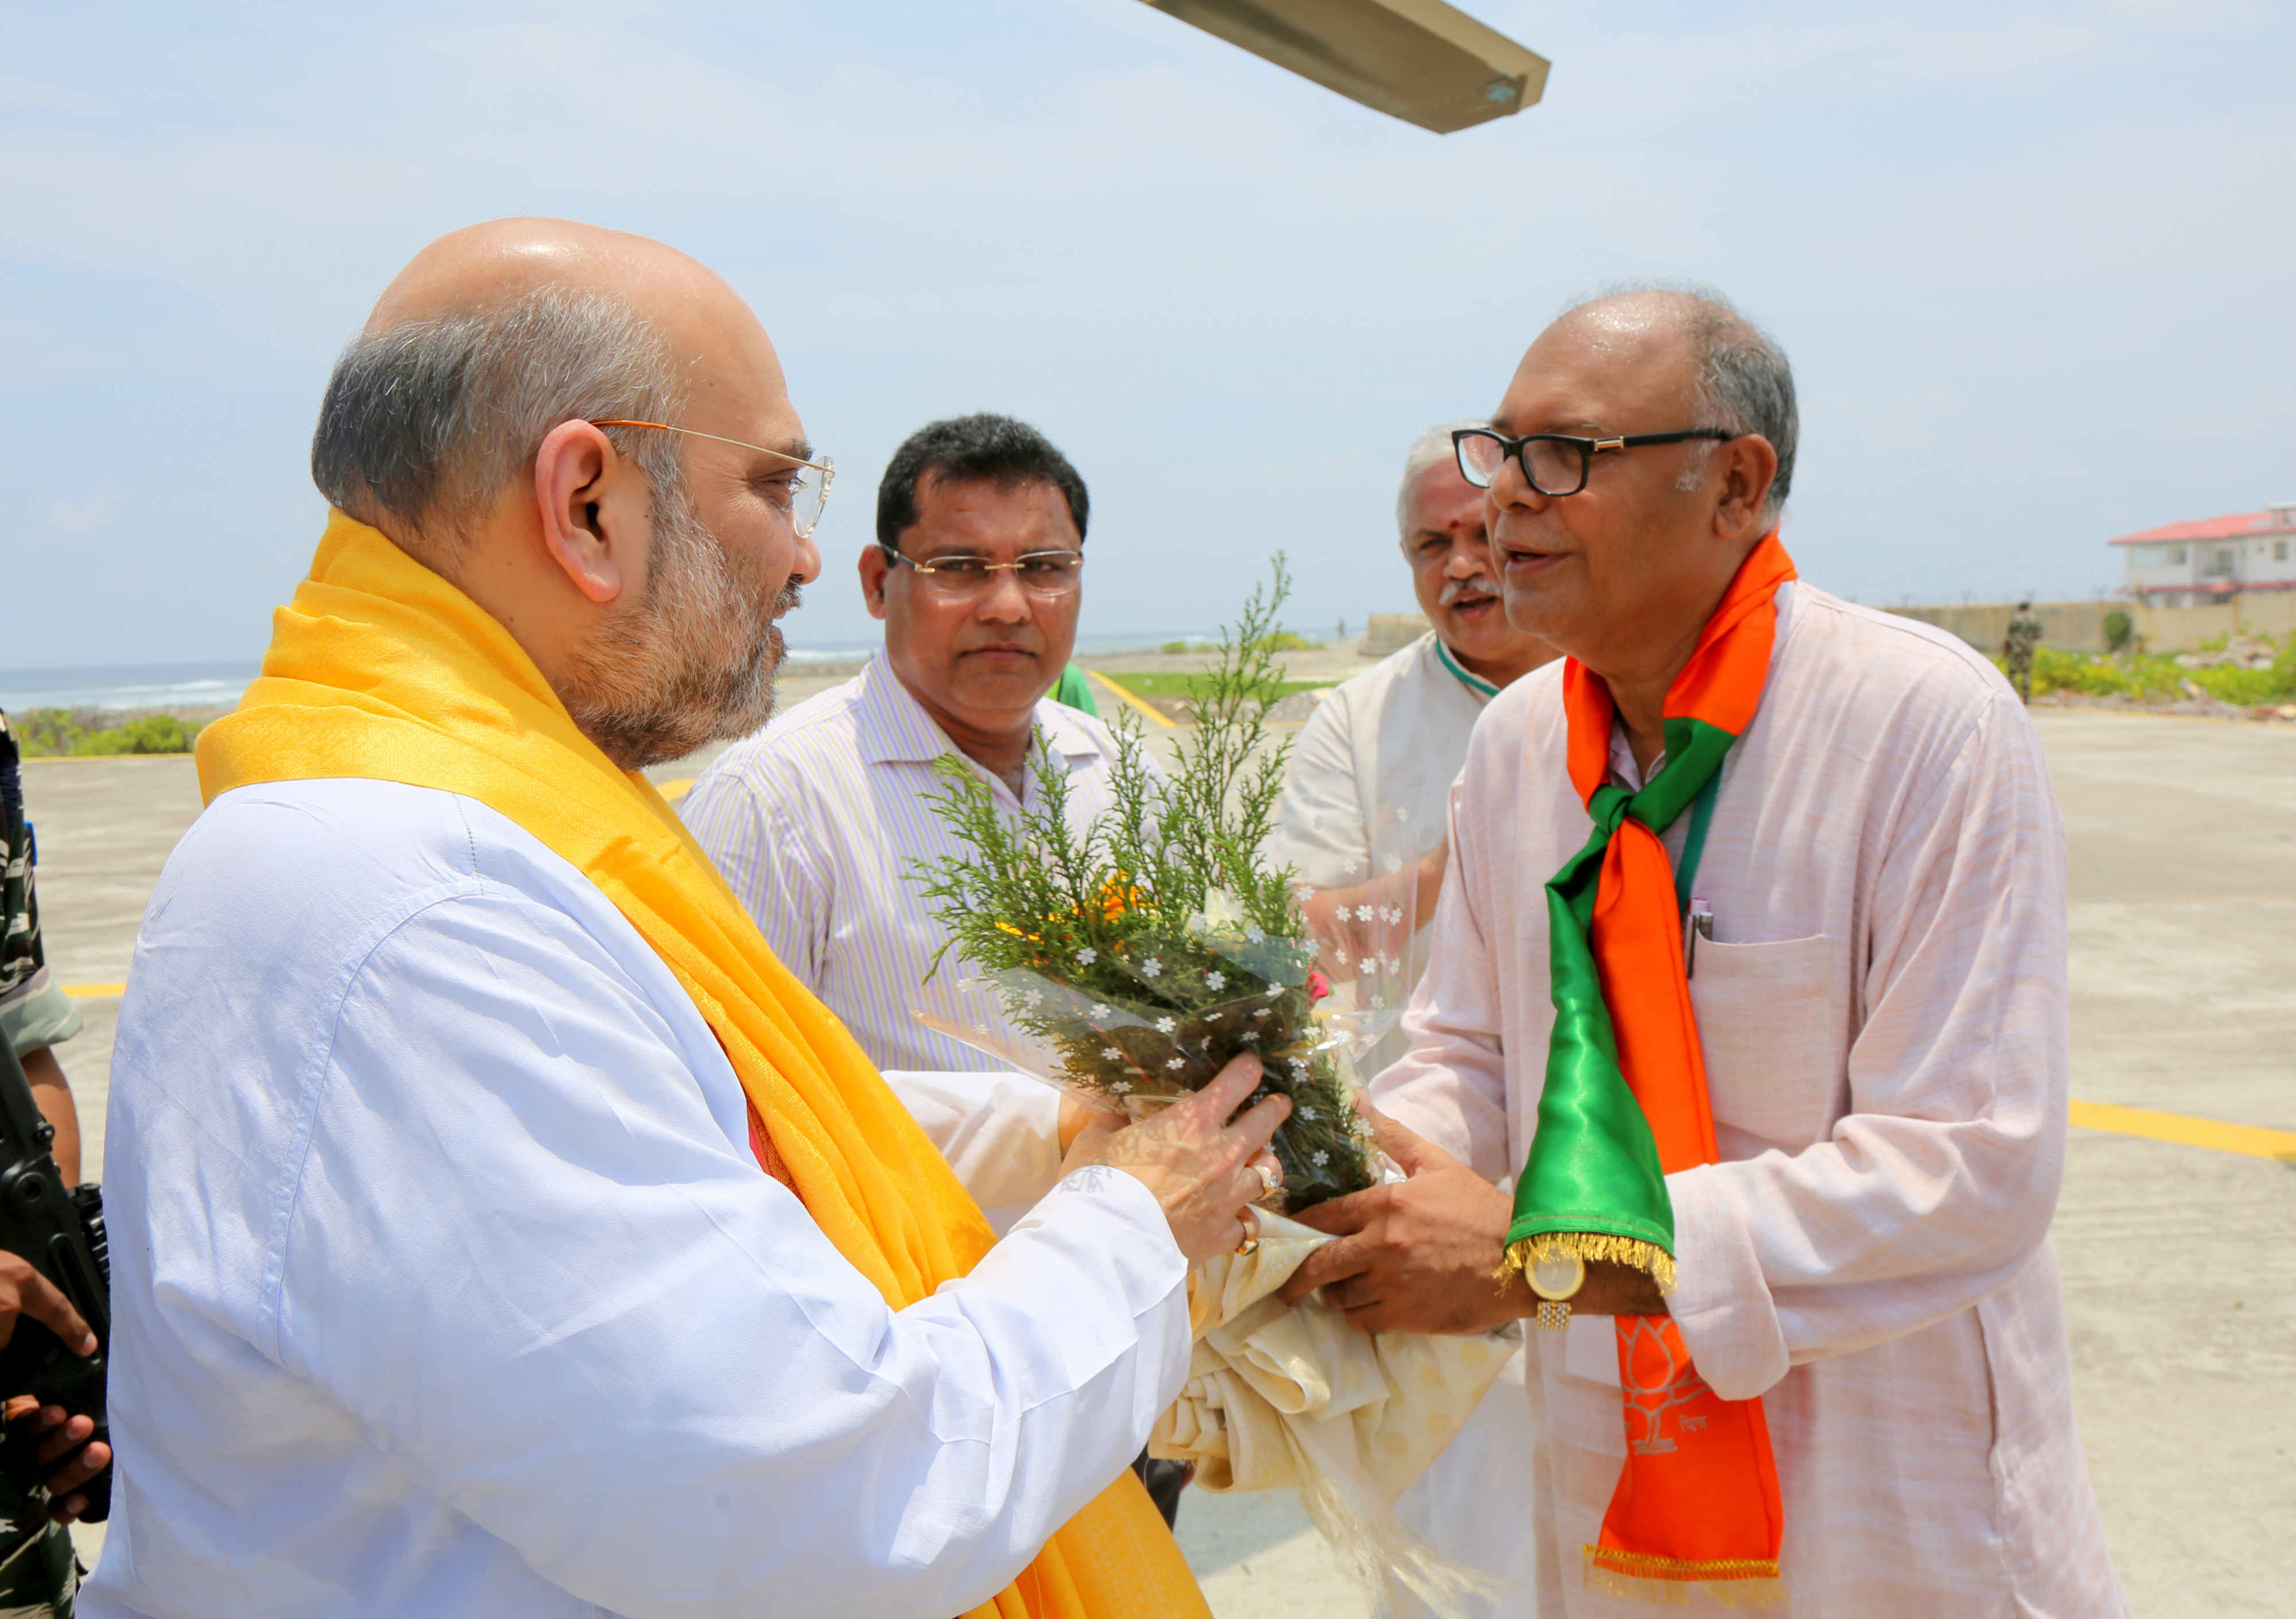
column 1481, row 583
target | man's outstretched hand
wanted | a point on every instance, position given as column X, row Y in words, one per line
column 1423, row 1255
column 1194, row 1157
column 1419, row 1256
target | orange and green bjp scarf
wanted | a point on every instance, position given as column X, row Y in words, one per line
column 1625, row 1105
column 381, row 669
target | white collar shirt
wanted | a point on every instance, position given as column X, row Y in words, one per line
column 817, row 821
column 445, row 1282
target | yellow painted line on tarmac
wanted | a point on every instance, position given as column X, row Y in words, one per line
column 1154, row 714
column 674, row 790
column 2251, row 1141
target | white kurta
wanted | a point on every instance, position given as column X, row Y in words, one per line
column 1370, row 777
column 1368, row 787
column 445, row 1282
column 1883, row 1010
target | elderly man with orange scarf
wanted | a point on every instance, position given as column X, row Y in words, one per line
column 496, row 1227
column 1751, row 970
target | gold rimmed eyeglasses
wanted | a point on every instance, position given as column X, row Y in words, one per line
column 807, row 495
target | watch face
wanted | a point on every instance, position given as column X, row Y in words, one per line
column 1558, row 1275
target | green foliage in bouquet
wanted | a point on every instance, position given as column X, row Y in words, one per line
column 1153, row 948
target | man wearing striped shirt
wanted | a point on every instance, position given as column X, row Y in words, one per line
column 816, row 820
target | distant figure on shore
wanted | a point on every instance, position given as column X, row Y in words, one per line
column 2017, row 649
column 1370, row 780
column 497, row 1227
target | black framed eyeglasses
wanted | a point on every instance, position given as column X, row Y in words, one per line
column 1556, row 463
column 1048, row 575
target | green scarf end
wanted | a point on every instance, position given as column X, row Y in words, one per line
column 1641, row 1247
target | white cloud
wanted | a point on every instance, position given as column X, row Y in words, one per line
column 86, row 516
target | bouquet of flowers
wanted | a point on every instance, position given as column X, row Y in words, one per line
column 1147, row 950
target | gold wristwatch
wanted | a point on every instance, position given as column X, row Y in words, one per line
column 1555, row 1276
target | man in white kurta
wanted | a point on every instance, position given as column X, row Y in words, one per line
column 1367, row 788
column 1882, row 1009
column 1880, row 997
column 458, row 1268
column 462, row 1204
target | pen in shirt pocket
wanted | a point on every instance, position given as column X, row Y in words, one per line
column 1700, row 924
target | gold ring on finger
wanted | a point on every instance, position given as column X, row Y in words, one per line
column 1249, row 1245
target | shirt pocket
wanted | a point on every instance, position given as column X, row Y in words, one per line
column 1766, row 1024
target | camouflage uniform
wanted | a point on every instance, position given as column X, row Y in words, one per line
column 2024, row 635
column 38, row 1573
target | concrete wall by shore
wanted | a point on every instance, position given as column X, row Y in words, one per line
column 1387, row 632
column 2079, row 626
column 2254, row 612
column 2073, row 626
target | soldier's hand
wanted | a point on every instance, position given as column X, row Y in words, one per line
column 25, row 1292
column 63, row 1448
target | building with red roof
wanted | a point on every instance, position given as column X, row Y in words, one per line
column 2189, row 564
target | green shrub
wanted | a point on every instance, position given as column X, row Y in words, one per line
column 2155, row 677
column 47, row 732
column 153, row 734
column 40, row 732
column 1283, row 640
column 1176, row 647
column 2119, row 630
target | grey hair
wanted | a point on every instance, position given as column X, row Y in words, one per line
column 1743, row 382
column 427, row 421
column 1430, row 448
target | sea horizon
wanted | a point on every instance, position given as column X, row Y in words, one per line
column 219, row 684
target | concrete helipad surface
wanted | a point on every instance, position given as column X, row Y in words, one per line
column 2180, row 1260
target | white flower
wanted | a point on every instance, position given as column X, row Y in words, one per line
column 1263, row 1012
column 1100, row 1011
column 1363, row 913
column 1216, row 981
column 1087, row 957
column 1163, row 1026
column 1151, row 968
column 1110, row 1054
column 1211, row 1017
column 1175, row 1063
column 1319, row 1158
column 1251, row 1037
column 1394, row 914
column 1121, row 1086
column 1369, row 964
column 1035, row 998
column 1255, row 933
column 1309, row 1113
column 1299, row 1064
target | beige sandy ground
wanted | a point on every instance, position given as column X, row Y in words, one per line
column 2180, row 1262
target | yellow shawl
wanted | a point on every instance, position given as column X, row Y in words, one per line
column 381, row 669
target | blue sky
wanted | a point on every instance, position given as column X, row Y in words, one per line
column 2033, row 264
